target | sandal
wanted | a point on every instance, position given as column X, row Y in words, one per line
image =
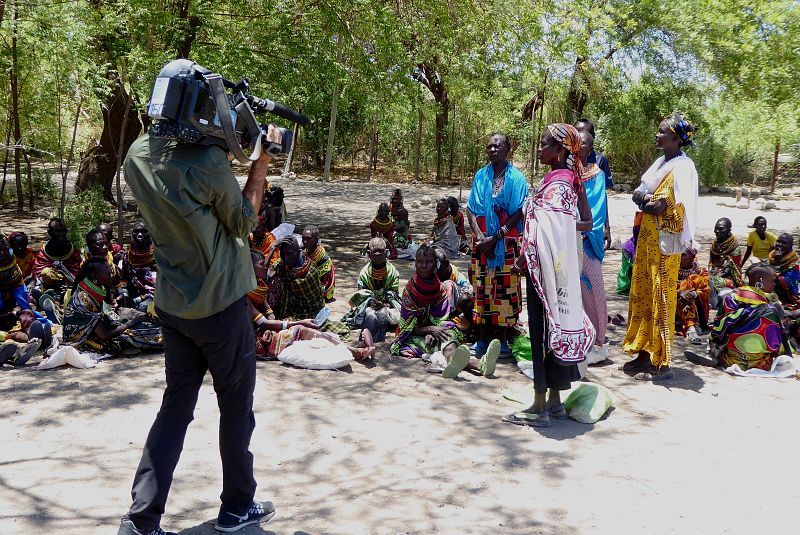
column 698, row 358
column 27, row 351
column 559, row 412
column 693, row 337
column 618, row 320
column 488, row 361
column 532, row 419
column 458, row 362
column 655, row 375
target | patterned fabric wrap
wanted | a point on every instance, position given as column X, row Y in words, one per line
column 483, row 204
column 458, row 220
column 424, row 303
column 295, row 293
column 327, row 275
column 55, row 270
column 446, row 236
column 498, row 291
column 26, row 262
column 689, row 311
column 550, row 247
column 725, row 263
column 570, row 139
column 593, row 296
column 653, row 299
column 788, row 287
column 681, row 127
column 750, row 331
column 87, row 308
column 11, row 275
column 269, row 344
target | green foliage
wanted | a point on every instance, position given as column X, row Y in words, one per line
column 83, row 212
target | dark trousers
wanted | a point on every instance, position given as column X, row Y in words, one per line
column 547, row 371
column 224, row 345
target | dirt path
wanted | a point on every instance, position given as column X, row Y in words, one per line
column 391, row 449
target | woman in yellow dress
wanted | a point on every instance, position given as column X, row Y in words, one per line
column 667, row 198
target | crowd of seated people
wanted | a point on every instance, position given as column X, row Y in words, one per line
column 99, row 301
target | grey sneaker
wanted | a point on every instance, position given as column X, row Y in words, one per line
column 126, row 527
column 228, row 521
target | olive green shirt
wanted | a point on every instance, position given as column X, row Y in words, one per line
column 199, row 222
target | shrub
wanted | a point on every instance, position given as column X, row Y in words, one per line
column 83, row 212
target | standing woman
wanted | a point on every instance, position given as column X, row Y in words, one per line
column 667, row 196
column 494, row 211
column 560, row 331
column 592, row 289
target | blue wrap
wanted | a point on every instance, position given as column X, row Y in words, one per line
column 510, row 200
column 596, row 194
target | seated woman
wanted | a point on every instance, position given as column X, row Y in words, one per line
column 377, row 301
column 295, row 289
column 57, row 261
column 402, row 234
column 383, row 226
column 786, row 262
column 313, row 249
column 24, row 254
column 749, row 333
column 693, row 298
column 90, row 324
column 263, row 240
column 458, row 219
column 396, row 202
column 138, row 270
column 725, row 260
column 257, row 297
column 445, row 235
column 13, row 292
column 425, row 328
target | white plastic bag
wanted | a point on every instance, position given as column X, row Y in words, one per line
column 316, row 354
column 69, row 355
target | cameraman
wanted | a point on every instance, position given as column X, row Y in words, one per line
column 199, row 222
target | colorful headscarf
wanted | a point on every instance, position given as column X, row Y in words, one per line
column 681, row 128
column 569, row 138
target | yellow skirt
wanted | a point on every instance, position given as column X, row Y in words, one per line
column 653, row 299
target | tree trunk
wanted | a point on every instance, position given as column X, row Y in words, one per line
column 99, row 163
column 15, row 112
column 70, row 155
column 429, row 76
column 774, row 181
column 373, row 141
column 5, row 164
column 577, row 97
column 419, row 146
column 287, row 167
column 120, row 203
column 30, row 178
column 452, row 146
column 332, row 126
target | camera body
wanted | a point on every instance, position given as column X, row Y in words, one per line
column 189, row 103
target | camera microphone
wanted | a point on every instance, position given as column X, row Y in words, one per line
column 262, row 105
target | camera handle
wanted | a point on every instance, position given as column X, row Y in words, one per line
column 216, row 83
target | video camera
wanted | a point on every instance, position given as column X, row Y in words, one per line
column 189, row 104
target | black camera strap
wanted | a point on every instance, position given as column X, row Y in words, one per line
column 223, row 112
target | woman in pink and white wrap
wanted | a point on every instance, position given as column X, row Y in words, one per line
column 560, row 331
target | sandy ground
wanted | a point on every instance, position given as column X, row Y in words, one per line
column 388, row 448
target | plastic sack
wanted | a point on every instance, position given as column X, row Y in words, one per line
column 316, row 354
column 588, row 402
column 521, row 348
column 68, row 355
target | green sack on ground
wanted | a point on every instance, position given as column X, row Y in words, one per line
column 521, row 348
column 624, row 275
column 588, row 402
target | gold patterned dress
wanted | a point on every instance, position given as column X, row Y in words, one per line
column 653, row 300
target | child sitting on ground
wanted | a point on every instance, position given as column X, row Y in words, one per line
column 402, row 233
column 458, row 219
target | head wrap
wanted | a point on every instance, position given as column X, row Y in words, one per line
column 681, row 127
column 569, row 138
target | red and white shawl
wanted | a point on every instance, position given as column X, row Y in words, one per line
column 551, row 249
